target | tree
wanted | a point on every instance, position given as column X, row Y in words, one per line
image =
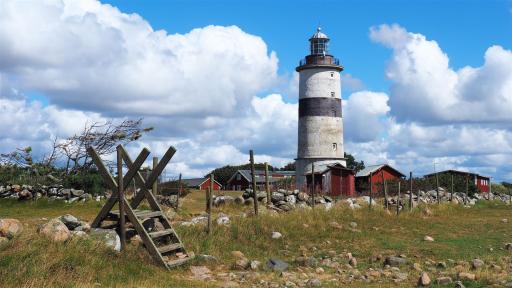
column 353, row 164
column 104, row 137
column 288, row 167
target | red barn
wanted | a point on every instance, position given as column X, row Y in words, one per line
column 482, row 183
column 332, row 179
column 374, row 175
column 242, row 179
column 201, row 183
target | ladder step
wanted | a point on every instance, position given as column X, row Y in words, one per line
column 148, row 214
column 177, row 262
column 161, row 233
column 139, row 213
column 170, row 247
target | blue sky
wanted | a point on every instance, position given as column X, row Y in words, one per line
column 464, row 29
column 424, row 81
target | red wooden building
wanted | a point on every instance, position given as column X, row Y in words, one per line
column 482, row 183
column 332, row 179
column 242, row 179
column 201, row 183
column 374, row 174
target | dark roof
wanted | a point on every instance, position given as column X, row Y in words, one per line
column 260, row 175
column 196, row 182
column 324, row 167
column 456, row 172
column 372, row 168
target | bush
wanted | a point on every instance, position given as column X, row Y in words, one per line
column 91, row 182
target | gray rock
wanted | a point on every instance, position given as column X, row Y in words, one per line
column 444, row 280
column 278, row 265
column 108, row 237
column 314, row 283
column 477, row 263
column 458, row 284
column 276, row 197
column 239, row 200
column 77, row 193
column 395, row 261
column 307, row 261
column 70, row 221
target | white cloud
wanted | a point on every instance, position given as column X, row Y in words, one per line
column 425, row 88
column 364, row 113
column 87, row 55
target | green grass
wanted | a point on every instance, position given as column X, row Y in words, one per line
column 461, row 234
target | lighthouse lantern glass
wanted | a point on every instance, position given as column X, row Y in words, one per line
column 319, row 46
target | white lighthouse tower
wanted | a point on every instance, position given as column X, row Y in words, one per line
column 320, row 117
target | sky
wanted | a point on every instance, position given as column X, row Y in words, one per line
column 424, row 82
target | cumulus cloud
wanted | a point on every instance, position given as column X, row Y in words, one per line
column 365, row 113
column 426, row 89
column 88, row 55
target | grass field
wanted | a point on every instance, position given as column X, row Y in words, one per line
column 460, row 234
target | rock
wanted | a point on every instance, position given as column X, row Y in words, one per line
column 242, row 264
column 477, row 263
column 319, row 270
column 79, row 234
column 278, row 265
column 353, row 224
column 428, row 239
column 276, row 235
column 223, row 219
column 424, row 280
column 336, row 225
column 249, row 201
column 307, row 261
column 458, row 284
column 314, row 283
column 417, row 267
column 444, row 280
column 201, row 272
column 84, row 226
column 508, row 246
column 3, row 240
column 466, row 276
column 504, row 220
column 77, row 193
column 441, row 265
column 237, row 254
column 303, row 196
column 239, row 200
column 395, row 261
column 255, row 265
column 136, row 241
column 108, row 237
column 276, row 197
column 10, row 228
column 55, row 230
column 352, row 262
column 207, row 258
column 70, row 221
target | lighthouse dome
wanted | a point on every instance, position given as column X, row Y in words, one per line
column 319, row 34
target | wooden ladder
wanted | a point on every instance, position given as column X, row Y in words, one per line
column 153, row 227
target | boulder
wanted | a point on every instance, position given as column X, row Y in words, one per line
column 302, row 196
column 276, row 235
column 276, row 197
column 255, row 265
column 10, row 228
column 242, row 263
column 428, row 239
column 77, row 193
column 477, row 263
column 466, row 276
column 444, row 280
column 424, row 280
column 55, row 230
column 3, row 240
column 108, row 237
column 395, row 261
column 278, row 265
column 223, row 219
column 70, row 221
column 239, row 200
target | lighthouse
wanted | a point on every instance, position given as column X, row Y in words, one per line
column 320, row 115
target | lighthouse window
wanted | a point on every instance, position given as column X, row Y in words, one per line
column 332, row 74
column 334, row 146
column 332, row 94
column 333, row 113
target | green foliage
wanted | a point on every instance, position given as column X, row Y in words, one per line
column 499, row 188
column 223, row 174
column 353, row 164
column 91, row 182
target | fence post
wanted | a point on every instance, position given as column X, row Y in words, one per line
column 410, row 192
column 384, row 188
column 398, row 200
column 120, row 194
column 313, row 183
column 467, row 188
column 371, row 191
column 267, row 188
column 253, row 172
column 210, row 199
column 451, row 190
column 179, row 194
column 437, row 188
column 155, row 184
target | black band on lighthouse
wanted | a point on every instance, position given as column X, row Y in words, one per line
column 320, row 106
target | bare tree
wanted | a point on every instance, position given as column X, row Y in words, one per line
column 103, row 137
